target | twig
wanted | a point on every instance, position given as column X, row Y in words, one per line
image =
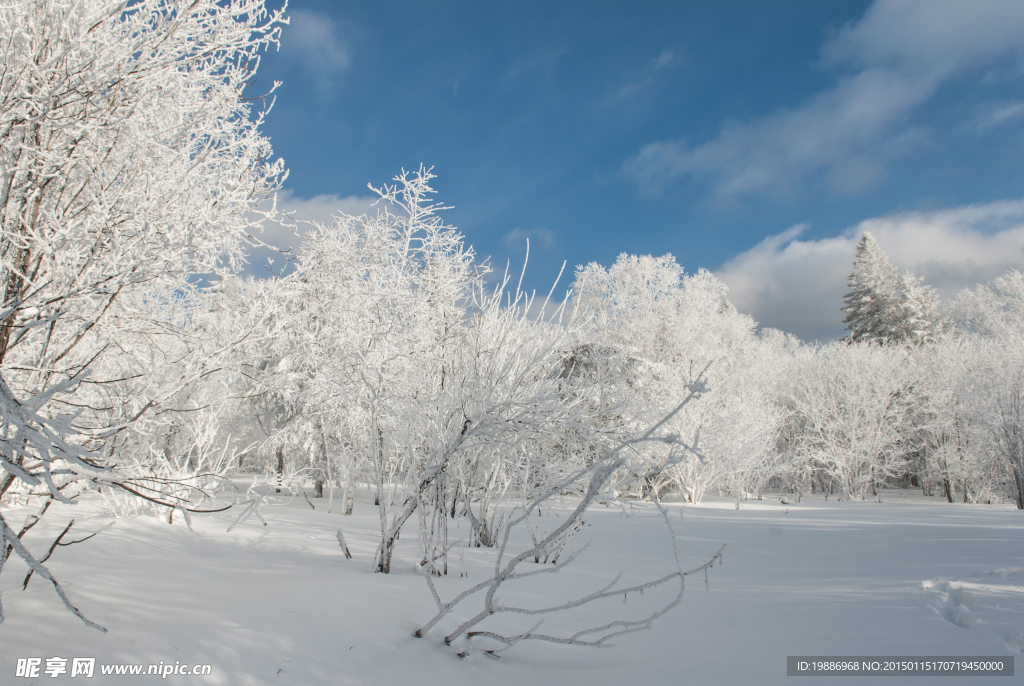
column 7, row 533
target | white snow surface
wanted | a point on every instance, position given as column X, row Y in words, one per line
column 279, row 604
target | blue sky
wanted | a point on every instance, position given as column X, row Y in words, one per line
column 754, row 139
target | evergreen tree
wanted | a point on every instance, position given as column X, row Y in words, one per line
column 884, row 305
column 873, row 284
column 915, row 312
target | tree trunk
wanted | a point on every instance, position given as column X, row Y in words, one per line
column 280, row 468
column 348, row 497
column 1018, row 481
column 387, row 551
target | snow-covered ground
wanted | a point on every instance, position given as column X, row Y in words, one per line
column 279, row 604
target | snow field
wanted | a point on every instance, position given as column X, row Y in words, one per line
column 280, row 604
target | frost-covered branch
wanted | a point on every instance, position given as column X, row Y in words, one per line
column 597, row 476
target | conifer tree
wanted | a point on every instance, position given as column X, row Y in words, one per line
column 884, row 305
column 915, row 314
column 872, row 298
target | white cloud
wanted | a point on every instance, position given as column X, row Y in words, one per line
column 316, row 40
column 323, row 208
column 303, row 212
column 773, row 154
column 928, row 35
column 663, row 60
column 896, row 58
column 997, row 113
column 798, row 286
column 666, row 58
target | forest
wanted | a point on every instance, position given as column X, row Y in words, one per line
column 384, row 360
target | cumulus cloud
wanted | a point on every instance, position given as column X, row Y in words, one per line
column 894, row 60
column 316, row 40
column 798, row 286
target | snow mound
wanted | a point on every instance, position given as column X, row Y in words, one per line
column 991, row 601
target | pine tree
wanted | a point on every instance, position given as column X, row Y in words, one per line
column 873, row 284
column 915, row 312
column 884, row 305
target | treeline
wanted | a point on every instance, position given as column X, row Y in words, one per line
column 390, row 357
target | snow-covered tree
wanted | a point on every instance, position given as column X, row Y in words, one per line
column 673, row 325
column 1009, row 430
column 129, row 161
column 916, row 318
column 396, row 362
column 868, row 305
column 994, row 310
column 884, row 305
column 991, row 318
column 849, row 405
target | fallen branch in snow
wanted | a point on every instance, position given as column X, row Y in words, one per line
column 30, row 522
column 59, row 542
column 253, row 507
column 7, row 534
column 344, row 545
